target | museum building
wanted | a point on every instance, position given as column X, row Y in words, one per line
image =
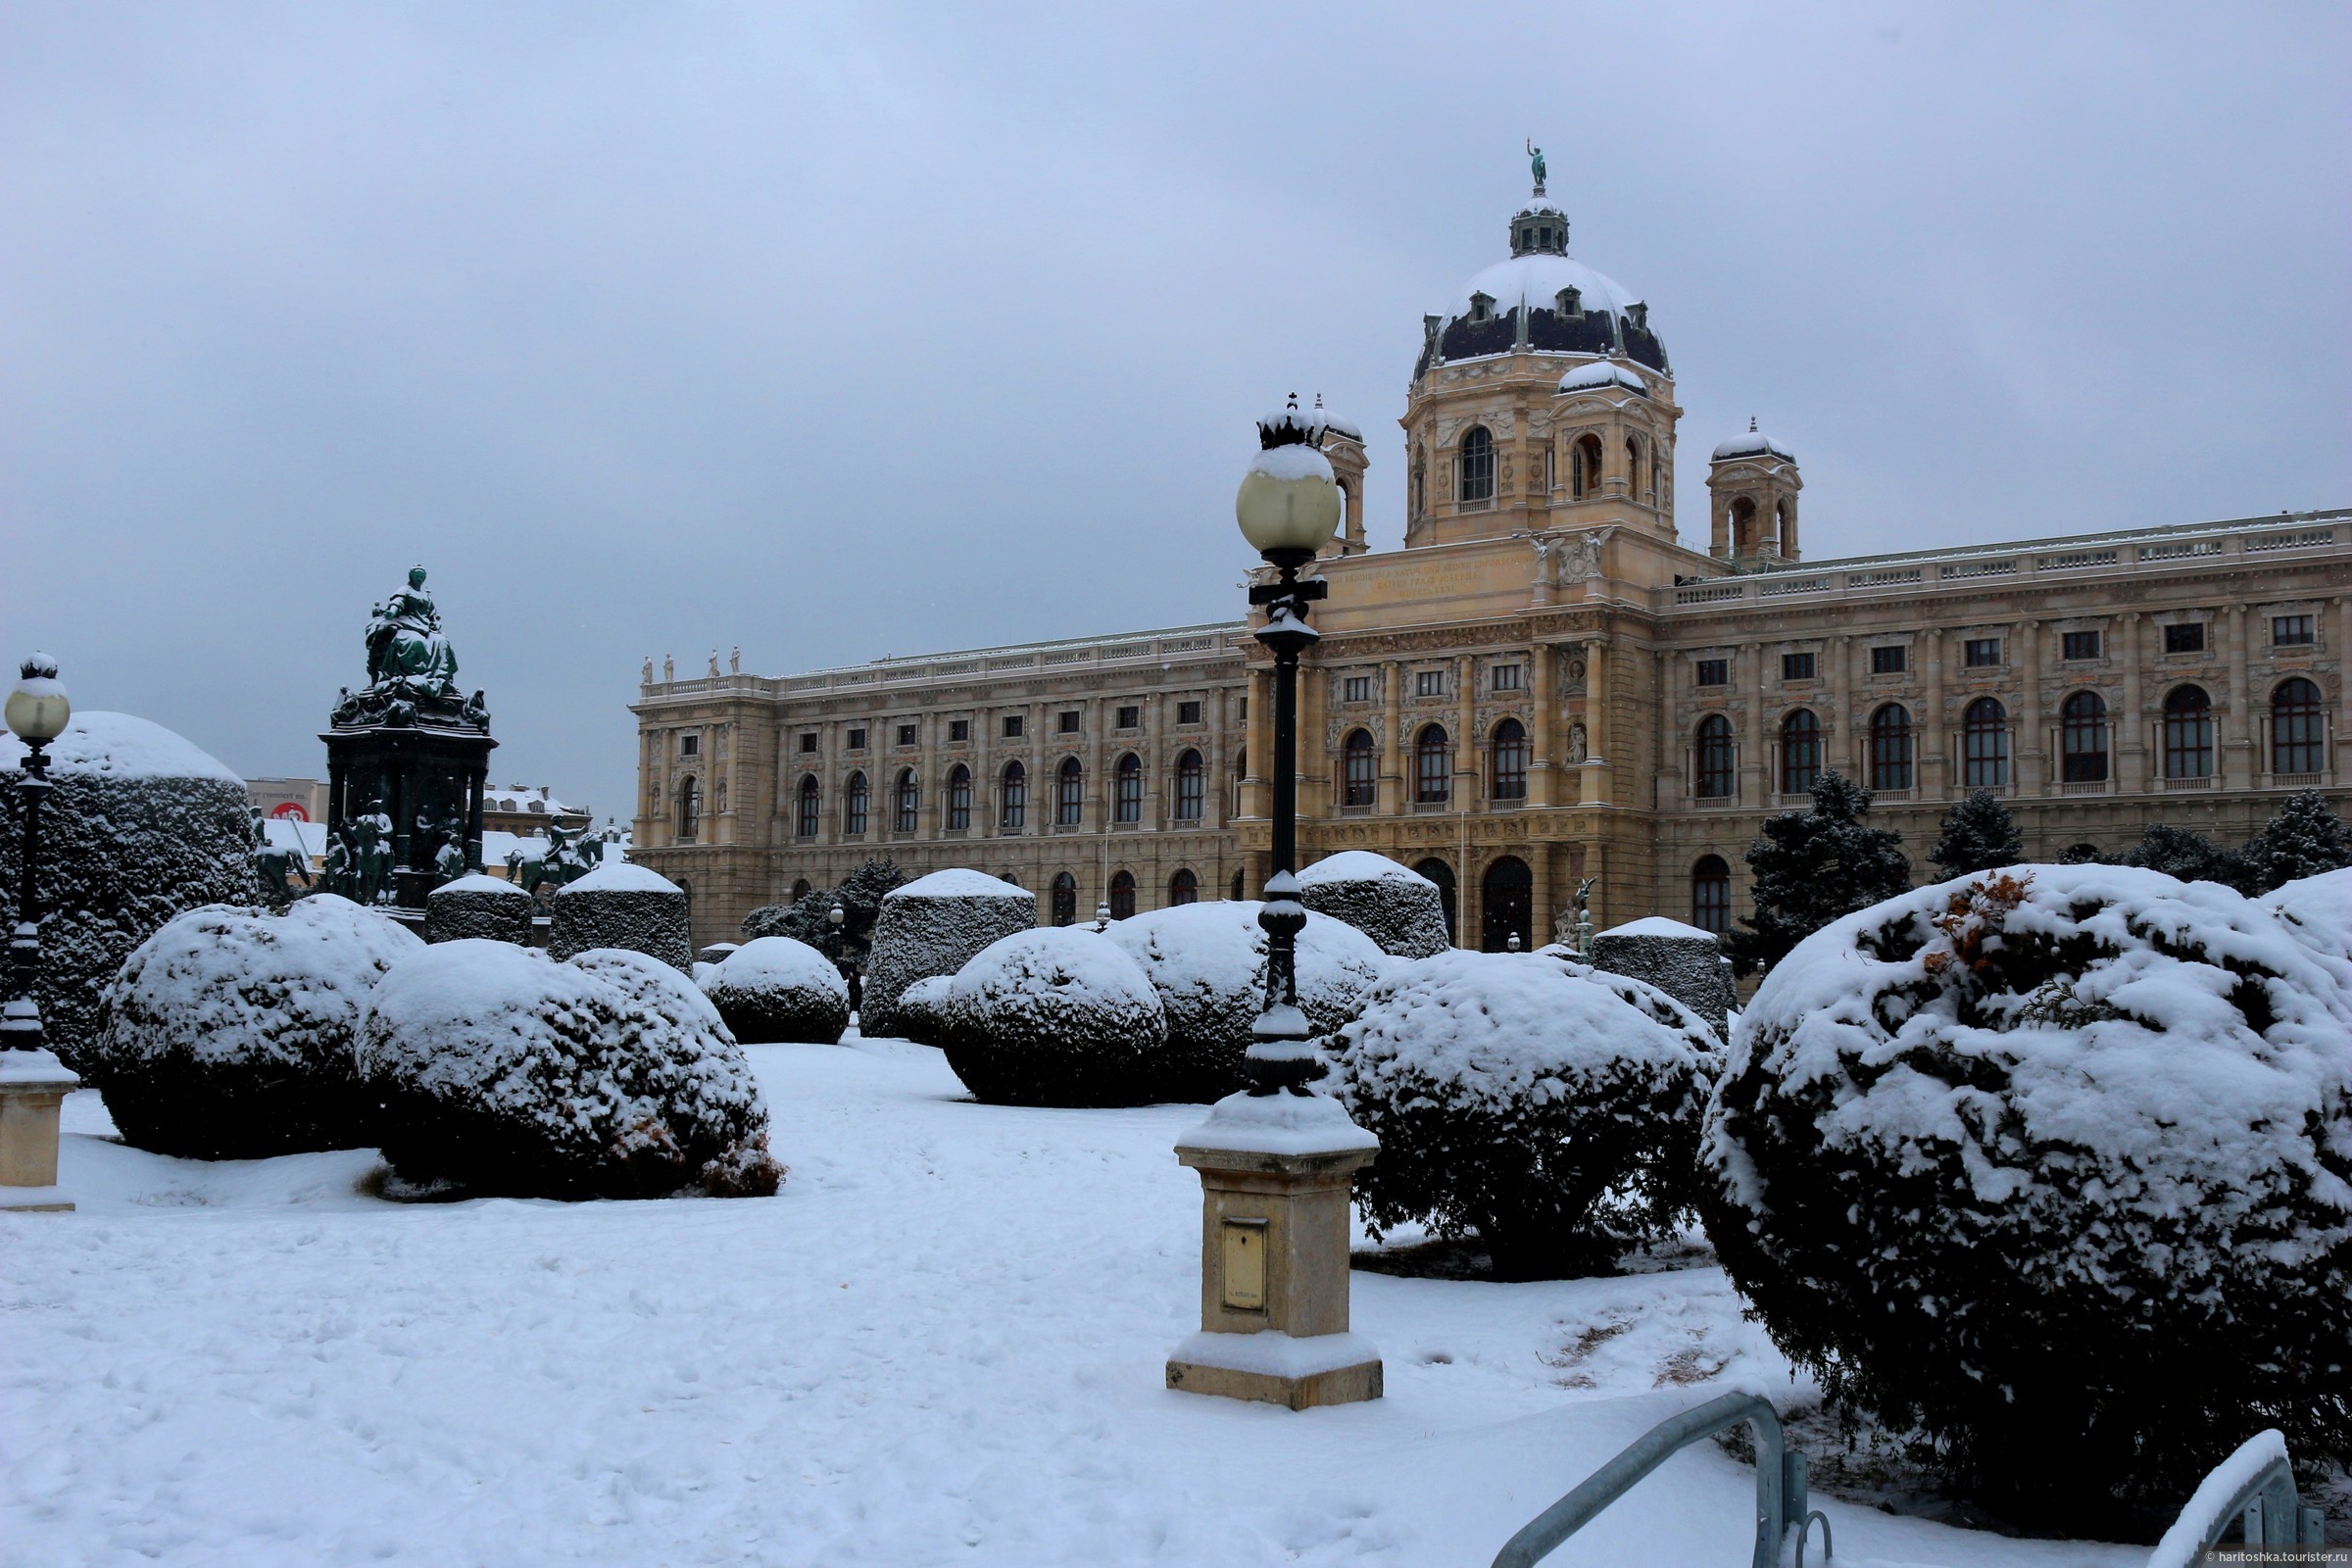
column 1544, row 684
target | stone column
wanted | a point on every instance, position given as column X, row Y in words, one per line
column 2238, row 729
column 1260, row 731
column 1600, row 739
column 1937, row 770
column 2032, row 779
column 1543, row 738
column 1159, row 768
column 2130, row 735
column 1396, row 791
column 1467, row 742
column 1542, row 859
column 1315, row 742
column 1754, row 784
column 2343, row 667
column 1837, row 745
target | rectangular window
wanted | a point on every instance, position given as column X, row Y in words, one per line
column 1429, row 683
column 2291, row 632
column 1982, row 652
column 2079, row 645
column 1796, row 666
column 906, row 734
column 2184, row 637
column 1012, row 727
column 1714, row 672
column 1889, row 661
column 1510, row 678
column 1131, row 719
column 688, row 745
column 1188, row 712
column 1067, row 723
column 808, row 740
column 959, row 729
column 1358, row 688
column 856, row 740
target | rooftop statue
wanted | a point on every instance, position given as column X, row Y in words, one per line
column 1535, row 159
column 404, row 642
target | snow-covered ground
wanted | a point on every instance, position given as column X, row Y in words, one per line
column 942, row 1344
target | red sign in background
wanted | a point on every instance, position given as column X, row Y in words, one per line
column 291, row 810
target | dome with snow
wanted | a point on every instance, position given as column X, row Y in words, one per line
column 1753, row 444
column 1601, row 375
column 1542, row 300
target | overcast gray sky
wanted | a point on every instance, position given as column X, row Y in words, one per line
column 842, row 331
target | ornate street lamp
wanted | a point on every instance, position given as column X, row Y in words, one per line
column 1288, row 506
column 1277, row 1162
column 33, row 1083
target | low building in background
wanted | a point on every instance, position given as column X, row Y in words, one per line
column 298, row 800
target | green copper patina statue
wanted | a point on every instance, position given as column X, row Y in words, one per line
column 405, row 641
column 1535, row 159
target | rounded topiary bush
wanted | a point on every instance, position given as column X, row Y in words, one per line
column 933, row 926
column 500, row 1070
column 1395, row 906
column 2049, row 1167
column 479, row 905
column 140, row 826
column 774, row 989
column 229, row 1034
column 922, row 1014
column 1207, row 961
column 621, row 905
column 1550, row 1108
column 1682, row 960
column 1055, row 1016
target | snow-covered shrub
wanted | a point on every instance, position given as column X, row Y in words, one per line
column 228, row 1032
column 140, row 826
column 501, row 1071
column 479, row 905
column 1208, row 964
column 1395, row 906
column 772, row 990
column 2050, row 1166
column 1055, row 1016
column 922, row 1014
column 1550, row 1108
column 621, row 905
column 932, row 926
column 1682, row 960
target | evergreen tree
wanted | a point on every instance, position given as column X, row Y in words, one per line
column 2189, row 856
column 1978, row 835
column 1812, row 867
column 810, row 919
column 2303, row 839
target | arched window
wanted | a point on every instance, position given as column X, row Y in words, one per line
column 1064, row 898
column 811, row 805
column 1069, row 794
column 1506, row 894
column 1632, row 461
column 1711, row 894
column 1510, row 760
column 1984, row 745
column 2187, row 733
column 1890, row 748
column 1474, row 469
column 1441, row 873
column 1184, row 888
column 1359, row 769
column 853, row 804
column 1012, row 798
column 1800, row 752
column 1583, row 467
column 1743, row 527
column 1122, row 894
column 2298, row 729
column 1432, row 767
column 960, row 797
column 1714, row 769
column 908, row 801
column 1192, row 787
column 1128, row 803
column 801, row 888
column 689, row 809
column 2083, row 739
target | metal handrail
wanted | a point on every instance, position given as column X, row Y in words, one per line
column 1780, row 1483
column 2266, row 1501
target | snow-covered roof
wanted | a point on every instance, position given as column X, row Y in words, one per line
column 1347, row 428
column 1657, row 925
column 959, row 882
column 1357, row 865
column 535, row 798
column 1602, row 373
column 1536, row 279
column 618, row 876
column 1535, row 205
column 1753, row 444
column 121, row 746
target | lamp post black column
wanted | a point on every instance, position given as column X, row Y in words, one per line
column 1279, row 1057
column 20, row 1025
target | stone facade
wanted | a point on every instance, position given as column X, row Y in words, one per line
column 1633, row 707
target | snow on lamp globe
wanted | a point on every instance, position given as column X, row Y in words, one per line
column 1277, row 1162
column 33, row 1083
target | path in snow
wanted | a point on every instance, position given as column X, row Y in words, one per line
column 942, row 1344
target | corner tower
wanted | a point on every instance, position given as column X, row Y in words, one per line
column 1542, row 400
column 1751, row 501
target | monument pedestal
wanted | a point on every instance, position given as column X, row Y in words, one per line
column 34, row 1085
column 1276, row 1171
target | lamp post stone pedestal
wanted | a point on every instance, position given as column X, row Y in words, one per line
column 34, row 1085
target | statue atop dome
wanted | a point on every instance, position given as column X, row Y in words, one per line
column 1535, row 159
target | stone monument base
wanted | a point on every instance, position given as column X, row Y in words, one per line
column 1273, row 1367
column 34, row 1085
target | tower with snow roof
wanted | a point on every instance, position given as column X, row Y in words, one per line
column 1543, row 400
column 1751, row 494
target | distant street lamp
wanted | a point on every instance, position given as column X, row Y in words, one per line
column 33, row 1083
column 1288, row 508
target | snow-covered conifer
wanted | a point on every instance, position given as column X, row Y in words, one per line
column 1813, row 866
column 1977, row 835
